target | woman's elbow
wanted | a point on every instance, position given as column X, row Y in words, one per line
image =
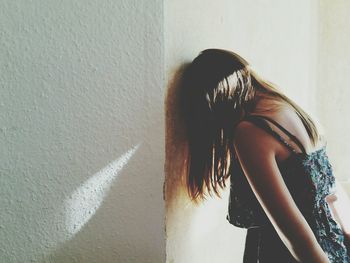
column 309, row 251
column 304, row 247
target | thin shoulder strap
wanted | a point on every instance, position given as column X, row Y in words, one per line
column 290, row 135
column 261, row 123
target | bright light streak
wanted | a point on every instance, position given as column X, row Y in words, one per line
column 87, row 198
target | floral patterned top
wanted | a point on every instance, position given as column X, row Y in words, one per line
column 309, row 178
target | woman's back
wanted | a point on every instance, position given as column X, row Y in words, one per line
column 309, row 178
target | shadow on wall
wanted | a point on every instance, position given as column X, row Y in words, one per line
column 175, row 143
column 116, row 214
column 87, row 217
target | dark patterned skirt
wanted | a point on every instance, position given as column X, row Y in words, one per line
column 263, row 245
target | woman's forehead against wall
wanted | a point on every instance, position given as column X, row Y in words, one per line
column 217, row 63
column 217, row 78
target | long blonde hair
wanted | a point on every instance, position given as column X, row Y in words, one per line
column 218, row 91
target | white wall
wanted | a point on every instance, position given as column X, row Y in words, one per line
column 334, row 92
column 81, row 134
column 279, row 39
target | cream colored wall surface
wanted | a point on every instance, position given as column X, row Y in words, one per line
column 279, row 39
column 334, row 68
column 81, row 135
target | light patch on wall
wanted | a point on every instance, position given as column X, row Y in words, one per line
column 203, row 222
column 87, row 198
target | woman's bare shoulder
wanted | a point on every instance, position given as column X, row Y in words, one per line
column 288, row 118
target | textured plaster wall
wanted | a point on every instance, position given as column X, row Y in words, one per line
column 334, row 68
column 81, row 133
column 279, row 39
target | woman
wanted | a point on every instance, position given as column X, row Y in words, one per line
column 282, row 187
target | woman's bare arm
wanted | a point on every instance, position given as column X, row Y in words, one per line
column 256, row 151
